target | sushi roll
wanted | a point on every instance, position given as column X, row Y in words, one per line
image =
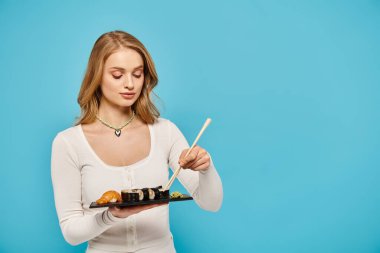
column 154, row 193
column 124, row 195
column 140, row 193
column 133, row 197
column 130, row 196
column 146, row 193
column 164, row 194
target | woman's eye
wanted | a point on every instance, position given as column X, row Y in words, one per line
column 137, row 76
column 117, row 77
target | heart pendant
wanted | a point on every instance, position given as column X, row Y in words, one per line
column 117, row 132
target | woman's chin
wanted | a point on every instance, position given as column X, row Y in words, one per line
column 127, row 103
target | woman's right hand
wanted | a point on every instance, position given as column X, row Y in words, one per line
column 128, row 211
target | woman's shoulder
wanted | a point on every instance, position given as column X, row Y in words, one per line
column 67, row 134
column 164, row 123
column 168, row 128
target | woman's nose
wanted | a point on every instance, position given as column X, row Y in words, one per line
column 129, row 82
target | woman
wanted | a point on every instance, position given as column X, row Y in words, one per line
column 120, row 142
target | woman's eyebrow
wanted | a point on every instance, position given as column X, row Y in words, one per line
column 123, row 69
column 118, row 68
column 139, row 67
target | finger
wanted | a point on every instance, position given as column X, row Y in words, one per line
column 202, row 160
column 190, row 164
column 202, row 154
column 182, row 159
column 203, row 166
column 155, row 205
column 147, row 207
column 185, row 161
column 192, row 155
column 116, row 208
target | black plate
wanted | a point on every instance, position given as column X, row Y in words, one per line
column 139, row 203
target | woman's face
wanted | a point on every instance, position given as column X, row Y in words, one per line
column 123, row 78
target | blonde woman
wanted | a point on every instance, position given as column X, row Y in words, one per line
column 121, row 142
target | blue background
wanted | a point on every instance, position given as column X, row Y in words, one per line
column 292, row 88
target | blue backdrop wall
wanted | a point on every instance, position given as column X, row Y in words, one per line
column 292, row 88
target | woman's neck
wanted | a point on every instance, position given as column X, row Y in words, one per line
column 115, row 116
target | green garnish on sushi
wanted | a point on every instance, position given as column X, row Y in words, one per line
column 175, row 195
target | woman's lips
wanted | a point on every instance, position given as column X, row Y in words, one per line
column 128, row 95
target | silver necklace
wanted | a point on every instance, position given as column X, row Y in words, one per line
column 117, row 129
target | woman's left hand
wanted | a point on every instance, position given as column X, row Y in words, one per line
column 198, row 159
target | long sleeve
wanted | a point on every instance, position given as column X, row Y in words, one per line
column 205, row 187
column 77, row 227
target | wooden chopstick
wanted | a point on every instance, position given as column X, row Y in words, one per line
column 175, row 174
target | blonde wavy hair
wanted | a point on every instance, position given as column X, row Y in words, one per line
column 90, row 92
